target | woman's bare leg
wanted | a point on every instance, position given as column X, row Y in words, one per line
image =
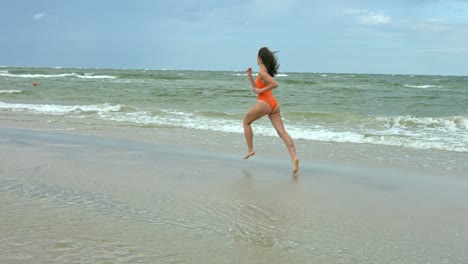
column 257, row 111
column 277, row 121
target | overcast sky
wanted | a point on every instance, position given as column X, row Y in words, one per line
column 353, row 36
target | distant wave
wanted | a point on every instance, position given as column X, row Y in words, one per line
column 84, row 76
column 244, row 74
column 300, row 82
column 10, row 91
column 422, row 86
column 89, row 76
column 52, row 109
column 255, row 74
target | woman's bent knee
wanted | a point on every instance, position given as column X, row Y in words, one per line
column 282, row 134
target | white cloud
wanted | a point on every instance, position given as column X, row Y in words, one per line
column 39, row 16
column 374, row 18
column 365, row 17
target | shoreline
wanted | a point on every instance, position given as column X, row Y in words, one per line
column 432, row 162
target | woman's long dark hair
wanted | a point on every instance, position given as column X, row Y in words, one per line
column 270, row 61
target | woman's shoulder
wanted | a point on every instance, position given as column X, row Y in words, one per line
column 263, row 73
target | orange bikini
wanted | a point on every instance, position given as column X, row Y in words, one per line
column 267, row 96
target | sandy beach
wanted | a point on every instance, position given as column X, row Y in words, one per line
column 101, row 196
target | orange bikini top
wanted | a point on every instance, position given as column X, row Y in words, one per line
column 259, row 83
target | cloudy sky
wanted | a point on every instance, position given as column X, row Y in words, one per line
column 350, row 36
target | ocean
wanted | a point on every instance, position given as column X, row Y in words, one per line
column 407, row 111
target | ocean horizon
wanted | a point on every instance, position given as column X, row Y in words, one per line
column 230, row 70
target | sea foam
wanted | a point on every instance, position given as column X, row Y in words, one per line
column 10, row 91
column 404, row 131
column 85, row 76
column 52, row 109
column 422, row 86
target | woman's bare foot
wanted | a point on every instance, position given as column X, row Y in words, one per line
column 295, row 166
column 250, row 153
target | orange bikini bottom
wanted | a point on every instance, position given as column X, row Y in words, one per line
column 270, row 100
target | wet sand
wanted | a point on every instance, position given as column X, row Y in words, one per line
column 71, row 198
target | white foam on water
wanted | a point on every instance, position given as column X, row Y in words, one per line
column 10, row 91
column 85, row 76
column 395, row 135
column 389, row 138
column 422, row 86
column 451, row 123
column 51, row 109
column 255, row 74
column 440, row 133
